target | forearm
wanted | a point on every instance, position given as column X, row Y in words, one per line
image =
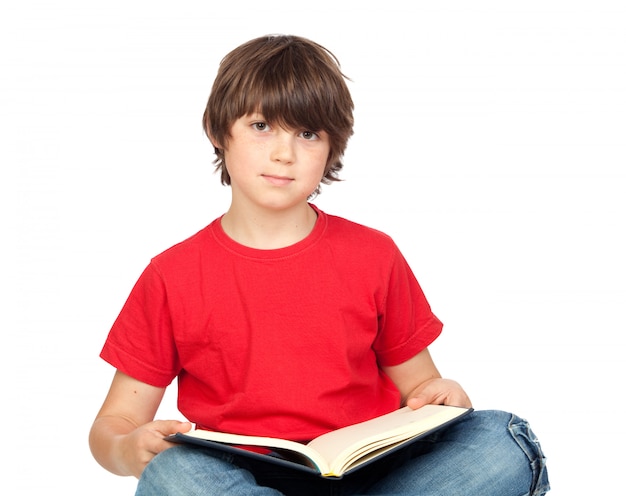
column 106, row 443
column 410, row 374
column 420, row 383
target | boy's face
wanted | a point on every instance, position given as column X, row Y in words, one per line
column 273, row 167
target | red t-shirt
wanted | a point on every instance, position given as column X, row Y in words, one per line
column 285, row 342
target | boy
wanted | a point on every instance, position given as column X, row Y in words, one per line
column 280, row 320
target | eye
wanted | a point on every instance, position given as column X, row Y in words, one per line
column 260, row 126
column 309, row 135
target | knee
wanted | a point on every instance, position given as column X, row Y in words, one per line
column 513, row 448
column 528, row 442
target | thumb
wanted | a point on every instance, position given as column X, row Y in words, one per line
column 167, row 427
column 417, row 401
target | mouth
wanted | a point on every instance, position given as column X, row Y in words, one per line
column 277, row 180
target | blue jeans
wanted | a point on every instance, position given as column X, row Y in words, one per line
column 489, row 453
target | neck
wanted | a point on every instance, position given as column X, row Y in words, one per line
column 269, row 230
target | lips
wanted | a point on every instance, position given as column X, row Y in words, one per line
column 277, row 180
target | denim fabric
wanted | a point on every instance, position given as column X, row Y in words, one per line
column 488, row 453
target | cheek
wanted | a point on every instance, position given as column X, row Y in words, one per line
column 325, row 161
column 239, row 158
column 317, row 169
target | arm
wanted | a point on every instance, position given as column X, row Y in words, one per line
column 420, row 383
column 124, row 437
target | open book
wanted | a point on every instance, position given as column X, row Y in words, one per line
column 335, row 453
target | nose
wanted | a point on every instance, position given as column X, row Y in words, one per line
column 283, row 148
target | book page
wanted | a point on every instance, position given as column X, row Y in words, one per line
column 277, row 444
column 337, row 451
column 370, row 435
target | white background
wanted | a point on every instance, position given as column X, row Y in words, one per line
column 490, row 143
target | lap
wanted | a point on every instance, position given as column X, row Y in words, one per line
column 487, row 453
column 189, row 471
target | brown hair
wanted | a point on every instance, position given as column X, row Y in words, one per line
column 291, row 81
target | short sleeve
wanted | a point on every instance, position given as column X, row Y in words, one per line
column 407, row 324
column 140, row 342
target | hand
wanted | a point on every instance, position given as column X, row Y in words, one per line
column 438, row 391
column 141, row 445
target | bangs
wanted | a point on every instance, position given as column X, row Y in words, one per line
column 290, row 83
column 298, row 99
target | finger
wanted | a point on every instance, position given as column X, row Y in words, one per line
column 168, row 427
column 458, row 398
column 418, row 401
